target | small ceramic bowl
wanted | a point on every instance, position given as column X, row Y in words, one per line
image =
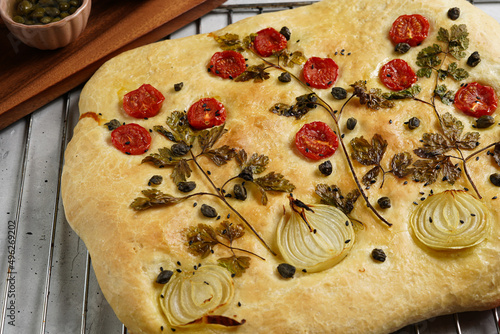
column 48, row 36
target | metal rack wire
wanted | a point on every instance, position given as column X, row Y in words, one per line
column 48, row 285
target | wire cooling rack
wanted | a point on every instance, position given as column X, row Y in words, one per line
column 46, row 280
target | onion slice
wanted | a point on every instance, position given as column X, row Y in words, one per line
column 452, row 219
column 189, row 297
column 314, row 239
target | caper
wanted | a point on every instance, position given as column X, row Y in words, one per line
column 178, row 86
column 164, row 276
column 155, row 180
column 485, row 121
column 495, row 179
column 208, row 211
column 402, row 48
column 38, row 13
column 64, row 15
column 378, row 255
column 186, row 186
column 240, row 192
column 180, row 149
column 56, row 19
column 46, row 19
column 25, row 7
column 351, row 123
column 384, row 202
column 413, row 123
column 63, row 6
column 18, row 19
column 454, row 13
column 246, row 174
column 285, row 77
column 286, row 32
column 474, row 59
column 339, row 93
column 74, row 3
column 46, row 3
column 286, row 270
column 52, row 11
column 326, row 168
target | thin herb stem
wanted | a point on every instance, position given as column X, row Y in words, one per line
column 225, row 183
column 222, row 198
column 468, row 175
column 241, row 250
column 343, row 106
column 481, row 150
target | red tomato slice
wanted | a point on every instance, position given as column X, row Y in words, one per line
column 320, row 72
column 131, row 139
column 411, row 29
column 227, row 64
column 476, row 100
column 268, row 41
column 143, row 102
column 316, row 141
column 397, row 75
column 206, row 113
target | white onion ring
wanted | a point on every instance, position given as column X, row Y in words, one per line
column 452, row 219
column 318, row 251
column 188, row 297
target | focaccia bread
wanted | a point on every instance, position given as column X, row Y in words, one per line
column 433, row 175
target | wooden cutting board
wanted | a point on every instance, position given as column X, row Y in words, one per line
column 30, row 78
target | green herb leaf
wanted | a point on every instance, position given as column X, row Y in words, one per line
column 113, row 124
column 178, row 123
column 201, row 240
column 373, row 99
column 451, row 172
column 290, row 59
column 452, row 127
column 428, row 170
column 230, row 231
column 256, row 72
column 303, row 105
column 469, row 141
column 446, row 96
column 181, row 171
column 236, row 265
column 435, row 144
column 257, row 162
column 458, row 41
column 424, row 72
column 456, row 72
column 409, row 93
column 429, row 57
column 165, row 157
column 332, row 195
column 371, row 176
column 400, row 164
column 230, row 42
column 368, row 154
column 153, row 198
column 221, row 155
column 443, row 35
column 273, row 182
column 167, row 134
column 207, row 138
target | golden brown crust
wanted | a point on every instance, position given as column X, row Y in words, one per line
column 358, row 295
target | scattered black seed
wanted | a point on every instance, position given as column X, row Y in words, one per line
column 348, row 241
column 474, row 59
column 347, row 223
column 178, row 263
column 285, row 77
column 172, row 329
column 218, row 217
column 384, row 202
column 155, row 180
column 239, row 304
column 413, row 123
column 485, row 121
column 208, row 211
column 164, row 276
column 161, row 328
column 339, row 93
column 402, row 48
column 233, row 275
column 430, row 219
column 466, row 189
column 286, row 270
column 473, row 214
column 228, row 215
column 186, row 186
column 422, row 198
column 378, row 255
column 326, row 168
column 304, row 270
column 415, row 203
column 454, row 13
column 495, row 179
column 351, row 123
column 405, row 183
column 390, row 121
column 462, row 222
column 178, row 86
column 494, row 197
column 195, row 204
column 178, row 270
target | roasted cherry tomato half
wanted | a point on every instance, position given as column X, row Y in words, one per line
column 143, row 102
column 411, row 29
column 316, row 141
column 268, row 41
column 476, row 100
column 397, row 75
column 227, row 64
column 131, row 139
column 320, row 72
column 206, row 113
